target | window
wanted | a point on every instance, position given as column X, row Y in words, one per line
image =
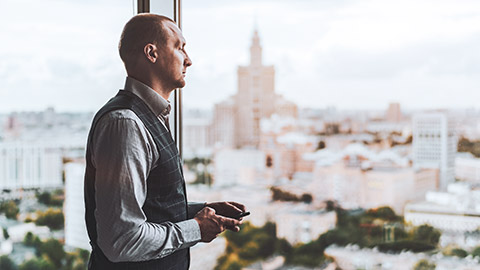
column 286, row 110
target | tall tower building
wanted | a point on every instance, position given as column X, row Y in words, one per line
column 237, row 120
column 435, row 145
column 255, row 98
column 394, row 114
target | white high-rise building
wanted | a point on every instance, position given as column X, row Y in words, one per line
column 30, row 165
column 435, row 145
column 238, row 167
column 224, row 123
column 74, row 207
column 196, row 126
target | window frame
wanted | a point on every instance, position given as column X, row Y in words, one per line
column 172, row 9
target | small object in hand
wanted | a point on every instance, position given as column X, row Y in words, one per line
column 243, row 214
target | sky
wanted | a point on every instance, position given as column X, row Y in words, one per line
column 347, row 54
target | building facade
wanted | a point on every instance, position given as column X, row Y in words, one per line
column 435, row 144
column 26, row 165
column 457, row 209
column 467, row 168
column 255, row 100
column 74, row 207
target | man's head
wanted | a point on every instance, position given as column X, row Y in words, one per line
column 152, row 48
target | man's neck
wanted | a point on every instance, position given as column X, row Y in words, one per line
column 156, row 85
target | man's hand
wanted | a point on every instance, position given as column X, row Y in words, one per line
column 211, row 225
column 227, row 209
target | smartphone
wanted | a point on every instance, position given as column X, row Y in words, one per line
column 243, row 214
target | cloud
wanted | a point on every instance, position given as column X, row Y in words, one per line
column 343, row 53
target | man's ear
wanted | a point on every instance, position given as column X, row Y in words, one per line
column 150, row 51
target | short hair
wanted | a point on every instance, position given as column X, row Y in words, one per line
column 139, row 31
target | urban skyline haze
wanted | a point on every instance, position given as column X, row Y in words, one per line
column 347, row 54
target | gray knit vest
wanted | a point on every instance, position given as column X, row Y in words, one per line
column 166, row 196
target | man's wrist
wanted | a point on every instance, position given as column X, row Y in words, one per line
column 191, row 231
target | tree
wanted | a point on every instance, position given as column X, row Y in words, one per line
column 10, row 209
column 53, row 218
column 6, row 263
column 44, row 197
column 458, row 252
column 426, row 234
column 38, row 264
column 330, row 205
column 476, row 252
column 77, row 260
column 424, row 265
column 53, row 249
column 455, row 251
column 321, row 145
column 306, row 198
column 47, row 198
column 29, row 238
column 5, row 234
column 283, row 247
column 465, row 145
column 384, row 212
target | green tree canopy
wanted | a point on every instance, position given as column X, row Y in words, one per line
column 476, row 252
column 7, row 264
column 10, row 209
column 53, row 249
column 424, row 265
column 427, row 234
column 54, row 198
column 38, row 264
column 53, row 218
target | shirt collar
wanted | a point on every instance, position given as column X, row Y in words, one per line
column 154, row 101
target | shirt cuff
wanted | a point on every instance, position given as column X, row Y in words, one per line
column 190, row 231
column 194, row 208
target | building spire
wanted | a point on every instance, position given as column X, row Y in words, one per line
column 255, row 49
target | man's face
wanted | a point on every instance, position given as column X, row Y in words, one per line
column 173, row 62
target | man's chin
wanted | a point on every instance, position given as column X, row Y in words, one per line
column 181, row 84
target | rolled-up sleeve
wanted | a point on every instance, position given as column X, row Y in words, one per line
column 123, row 155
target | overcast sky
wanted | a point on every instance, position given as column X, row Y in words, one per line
column 348, row 54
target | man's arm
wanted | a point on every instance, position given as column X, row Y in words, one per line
column 122, row 153
column 194, row 208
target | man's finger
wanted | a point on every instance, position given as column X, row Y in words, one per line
column 229, row 222
column 240, row 206
column 233, row 229
column 235, row 208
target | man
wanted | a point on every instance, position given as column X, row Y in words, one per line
column 137, row 212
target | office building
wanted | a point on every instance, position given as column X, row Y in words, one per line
column 435, row 144
column 25, row 165
column 394, row 114
column 457, row 209
column 74, row 207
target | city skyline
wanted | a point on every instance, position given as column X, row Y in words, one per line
column 317, row 115
column 350, row 54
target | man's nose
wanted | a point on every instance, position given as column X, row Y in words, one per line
column 188, row 61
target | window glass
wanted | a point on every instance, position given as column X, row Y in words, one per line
column 59, row 64
column 339, row 123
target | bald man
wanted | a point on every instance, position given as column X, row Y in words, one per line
column 137, row 213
